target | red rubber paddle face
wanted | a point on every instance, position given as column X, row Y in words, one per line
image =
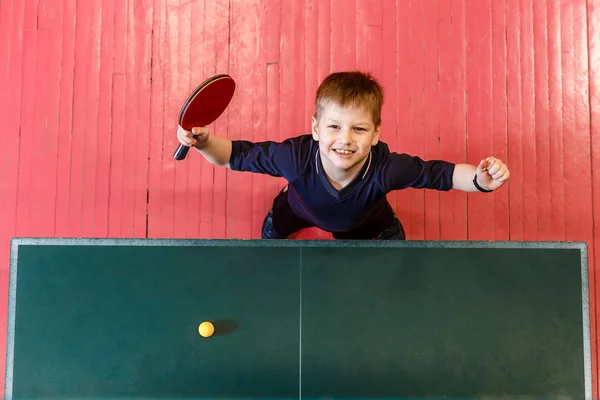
column 207, row 102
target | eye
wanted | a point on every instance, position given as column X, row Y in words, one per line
column 333, row 127
column 358, row 128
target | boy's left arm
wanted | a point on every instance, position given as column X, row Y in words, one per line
column 490, row 174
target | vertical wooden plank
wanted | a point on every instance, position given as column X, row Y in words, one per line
column 156, row 218
column 541, row 132
column 165, row 192
column 446, row 39
column 337, row 17
column 273, row 20
column 572, row 160
column 259, row 120
column 530, row 198
column 107, row 40
column 6, row 19
column 44, row 152
column 555, row 106
column 11, row 18
column 292, row 76
column 324, row 68
column 12, row 15
column 325, row 64
column 143, row 13
column 388, row 14
column 203, row 56
column 311, row 69
column 201, row 67
column 593, row 31
column 117, row 144
column 576, row 128
column 376, row 52
column 82, row 162
column 65, row 121
column 179, row 20
column 191, row 176
column 273, row 93
column 432, row 121
column 376, row 65
column 195, row 162
column 324, row 41
column 579, row 175
column 576, row 121
column 474, row 37
column 6, row 11
column 480, row 123
column 185, row 190
column 515, row 153
column 27, row 125
column 244, row 48
column 343, row 35
column 89, row 122
column 311, row 83
column 48, row 14
column 201, row 172
column 369, row 13
column 222, row 62
column 499, row 112
column 415, row 134
column 459, row 112
column 117, row 189
column 5, row 40
column 404, row 82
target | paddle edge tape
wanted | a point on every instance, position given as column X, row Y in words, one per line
column 198, row 89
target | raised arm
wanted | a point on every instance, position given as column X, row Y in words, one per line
column 491, row 174
column 216, row 150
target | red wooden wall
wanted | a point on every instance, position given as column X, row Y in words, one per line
column 90, row 91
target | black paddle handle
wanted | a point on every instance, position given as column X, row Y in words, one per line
column 181, row 152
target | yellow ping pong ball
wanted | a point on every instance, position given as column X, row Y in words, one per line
column 206, row 329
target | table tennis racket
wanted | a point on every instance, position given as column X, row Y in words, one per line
column 206, row 103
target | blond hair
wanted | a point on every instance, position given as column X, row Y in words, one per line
column 354, row 89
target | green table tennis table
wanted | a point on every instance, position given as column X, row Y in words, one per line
column 118, row 319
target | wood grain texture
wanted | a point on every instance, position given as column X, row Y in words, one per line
column 403, row 83
column 499, row 111
column 541, row 136
column 515, row 119
column 479, row 110
column 451, row 112
column 91, row 93
column 593, row 39
column 12, row 16
column 414, row 136
column 431, row 125
column 526, row 54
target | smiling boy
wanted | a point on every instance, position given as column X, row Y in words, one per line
column 339, row 175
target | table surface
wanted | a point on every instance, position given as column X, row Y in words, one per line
column 119, row 319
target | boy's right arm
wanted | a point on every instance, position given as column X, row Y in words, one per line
column 216, row 150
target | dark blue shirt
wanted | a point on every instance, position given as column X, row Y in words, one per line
column 313, row 198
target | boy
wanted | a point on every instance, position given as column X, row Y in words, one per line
column 338, row 176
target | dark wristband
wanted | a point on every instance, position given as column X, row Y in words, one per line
column 479, row 187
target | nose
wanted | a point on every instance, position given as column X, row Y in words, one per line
column 345, row 137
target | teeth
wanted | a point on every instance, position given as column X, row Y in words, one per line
column 344, row 151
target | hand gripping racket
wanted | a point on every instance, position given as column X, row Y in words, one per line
column 206, row 103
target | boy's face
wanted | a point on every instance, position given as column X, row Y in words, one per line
column 345, row 136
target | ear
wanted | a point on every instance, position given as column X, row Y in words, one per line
column 375, row 138
column 315, row 129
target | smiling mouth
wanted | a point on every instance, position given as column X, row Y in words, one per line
column 343, row 152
